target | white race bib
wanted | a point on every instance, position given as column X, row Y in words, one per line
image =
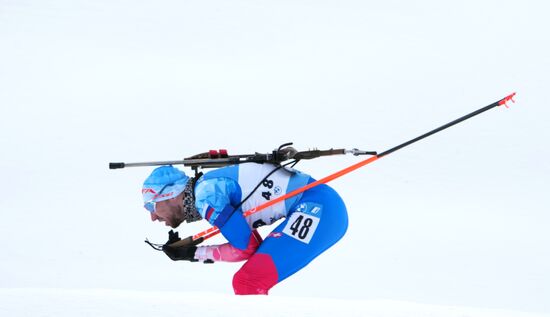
column 301, row 226
column 272, row 187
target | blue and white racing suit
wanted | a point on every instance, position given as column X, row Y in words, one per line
column 315, row 220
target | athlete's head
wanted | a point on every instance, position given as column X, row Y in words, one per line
column 168, row 196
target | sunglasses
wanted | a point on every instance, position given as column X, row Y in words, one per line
column 151, row 204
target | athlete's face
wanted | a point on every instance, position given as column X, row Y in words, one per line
column 169, row 211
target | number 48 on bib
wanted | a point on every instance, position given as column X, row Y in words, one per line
column 301, row 226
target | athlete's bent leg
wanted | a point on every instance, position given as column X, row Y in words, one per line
column 316, row 223
column 256, row 276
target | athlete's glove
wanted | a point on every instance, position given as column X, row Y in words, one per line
column 180, row 253
column 185, row 253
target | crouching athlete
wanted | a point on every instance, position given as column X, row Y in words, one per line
column 315, row 219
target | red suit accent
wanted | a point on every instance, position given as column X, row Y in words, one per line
column 256, row 277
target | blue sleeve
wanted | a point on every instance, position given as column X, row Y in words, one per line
column 215, row 199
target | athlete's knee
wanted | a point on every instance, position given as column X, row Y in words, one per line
column 256, row 277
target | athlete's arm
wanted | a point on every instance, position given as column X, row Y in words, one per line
column 215, row 199
column 227, row 252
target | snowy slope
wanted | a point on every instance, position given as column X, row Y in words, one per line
column 459, row 219
column 104, row 302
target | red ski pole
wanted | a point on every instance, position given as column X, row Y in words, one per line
column 206, row 234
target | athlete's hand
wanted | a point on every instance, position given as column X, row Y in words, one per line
column 185, row 253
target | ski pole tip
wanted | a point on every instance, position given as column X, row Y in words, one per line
column 504, row 100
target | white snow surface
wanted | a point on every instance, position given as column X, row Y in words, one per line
column 108, row 302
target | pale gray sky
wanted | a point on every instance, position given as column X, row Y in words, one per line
column 458, row 219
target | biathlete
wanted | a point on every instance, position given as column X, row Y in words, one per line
column 315, row 219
